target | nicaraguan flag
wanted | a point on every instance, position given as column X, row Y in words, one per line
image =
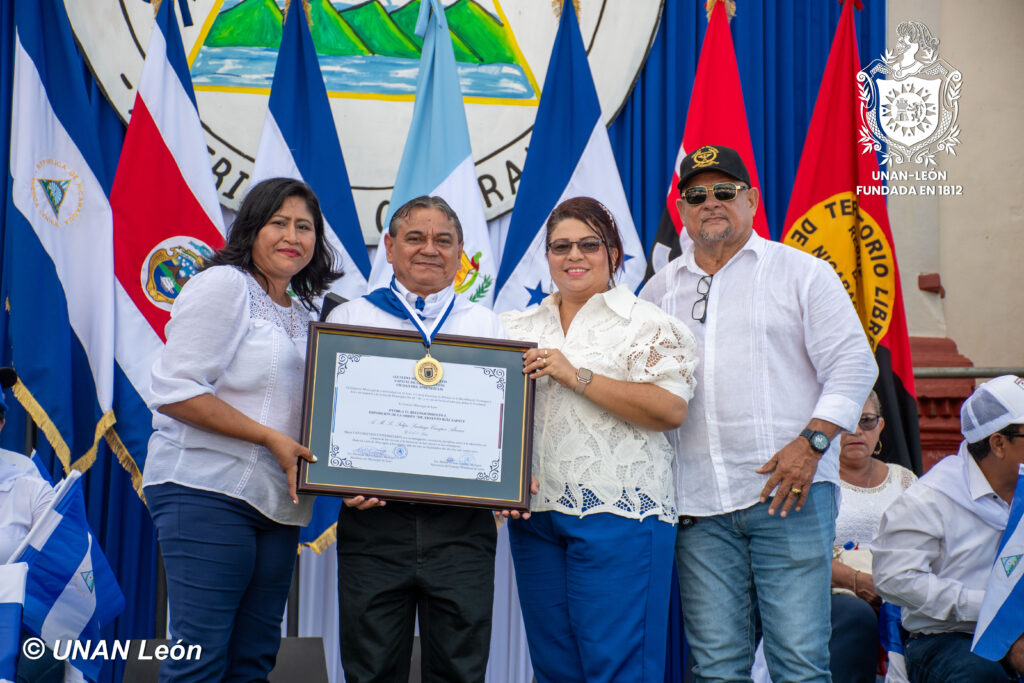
column 12, row 597
column 569, row 156
column 58, row 241
column 438, row 160
column 1001, row 620
column 300, row 141
column 70, row 592
column 167, row 217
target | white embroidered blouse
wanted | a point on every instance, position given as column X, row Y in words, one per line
column 228, row 338
column 861, row 509
column 586, row 459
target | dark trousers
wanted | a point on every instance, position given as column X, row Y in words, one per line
column 853, row 647
column 947, row 658
column 397, row 559
column 228, row 573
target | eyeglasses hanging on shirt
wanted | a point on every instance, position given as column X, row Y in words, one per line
column 699, row 312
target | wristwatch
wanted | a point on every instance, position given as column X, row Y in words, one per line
column 819, row 440
column 583, row 378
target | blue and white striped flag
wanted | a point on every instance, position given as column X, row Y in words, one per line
column 570, row 156
column 300, row 141
column 70, row 592
column 1001, row 620
column 12, row 598
column 438, row 160
column 59, row 241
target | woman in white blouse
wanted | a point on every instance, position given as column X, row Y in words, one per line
column 221, row 470
column 869, row 486
column 594, row 561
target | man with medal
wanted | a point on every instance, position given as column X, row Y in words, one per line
column 396, row 557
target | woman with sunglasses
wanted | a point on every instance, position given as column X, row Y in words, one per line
column 594, row 561
column 869, row 486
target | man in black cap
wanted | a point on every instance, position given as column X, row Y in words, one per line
column 784, row 367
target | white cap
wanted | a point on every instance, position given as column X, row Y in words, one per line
column 995, row 404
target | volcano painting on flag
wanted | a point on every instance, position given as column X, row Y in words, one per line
column 369, row 47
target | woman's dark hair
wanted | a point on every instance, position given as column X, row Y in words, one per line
column 595, row 216
column 259, row 206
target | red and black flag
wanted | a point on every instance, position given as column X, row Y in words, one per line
column 716, row 116
column 837, row 212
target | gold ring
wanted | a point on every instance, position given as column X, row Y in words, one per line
column 544, row 362
column 547, row 352
column 795, row 491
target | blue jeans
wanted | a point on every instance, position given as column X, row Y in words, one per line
column 595, row 593
column 945, row 657
column 229, row 569
column 736, row 564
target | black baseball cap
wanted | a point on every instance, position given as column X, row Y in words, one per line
column 713, row 158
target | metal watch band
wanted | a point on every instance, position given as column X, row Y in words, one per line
column 583, row 378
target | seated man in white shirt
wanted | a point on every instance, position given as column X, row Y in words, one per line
column 937, row 542
column 401, row 558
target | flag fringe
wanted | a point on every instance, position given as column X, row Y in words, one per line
column 323, row 541
column 44, row 423
column 89, row 457
column 559, row 5
column 730, row 8
column 127, row 461
column 306, row 5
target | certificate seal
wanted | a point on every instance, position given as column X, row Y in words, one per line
column 428, row 371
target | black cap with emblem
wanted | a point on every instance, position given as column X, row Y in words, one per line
column 713, row 158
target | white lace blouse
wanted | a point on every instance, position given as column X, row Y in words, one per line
column 586, row 459
column 228, row 338
column 861, row 510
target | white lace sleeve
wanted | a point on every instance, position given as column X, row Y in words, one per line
column 664, row 353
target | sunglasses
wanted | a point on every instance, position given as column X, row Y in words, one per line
column 724, row 192
column 587, row 245
column 869, row 421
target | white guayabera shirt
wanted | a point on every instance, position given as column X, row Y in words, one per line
column 228, row 338
column 586, row 459
column 781, row 344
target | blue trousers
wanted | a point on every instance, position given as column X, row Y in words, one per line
column 945, row 657
column 229, row 569
column 736, row 564
column 853, row 648
column 595, row 595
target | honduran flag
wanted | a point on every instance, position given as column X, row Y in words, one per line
column 70, row 591
column 716, row 116
column 837, row 214
column 58, row 292
column 167, row 218
column 570, row 156
column 12, row 598
column 438, row 160
column 1001, row 621
column 300, row 141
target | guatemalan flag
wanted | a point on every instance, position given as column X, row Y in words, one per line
column 438, row 160
column 167, row 218
column 300, row 141
column 70, row 590
column 569, row 156
column 12, row 598
column 59, row 296
column 1001, row 620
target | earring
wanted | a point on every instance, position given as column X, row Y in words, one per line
column 878, row 448
column 551, row 287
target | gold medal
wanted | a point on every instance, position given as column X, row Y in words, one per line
column 428, row 371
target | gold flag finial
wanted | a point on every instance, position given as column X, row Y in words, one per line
column 730, row 8
column 557, row 6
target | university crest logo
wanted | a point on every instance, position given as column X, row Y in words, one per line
column 910, row 100
column 169, row 266
column 57, row 192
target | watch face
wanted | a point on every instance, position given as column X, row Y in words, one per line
column 820, row 442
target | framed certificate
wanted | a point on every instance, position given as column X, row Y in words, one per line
column 379, row 427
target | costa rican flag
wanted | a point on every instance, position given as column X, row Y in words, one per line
column 300, row 141
column 167, row 219
column 438, row 160
column 570, row 156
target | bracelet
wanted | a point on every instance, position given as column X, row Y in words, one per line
column 855, row 572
